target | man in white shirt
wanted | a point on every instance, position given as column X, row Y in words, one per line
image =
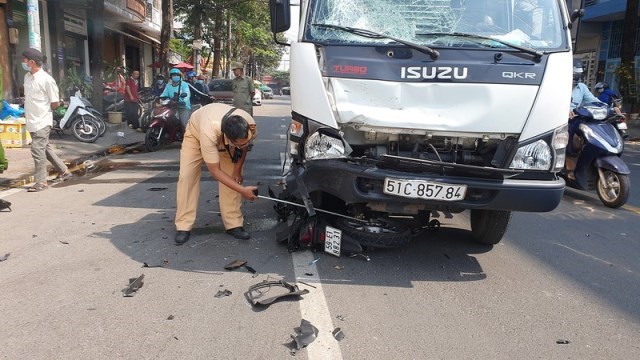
column 41, row 97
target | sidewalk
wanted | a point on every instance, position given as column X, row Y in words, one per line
column 70, row 150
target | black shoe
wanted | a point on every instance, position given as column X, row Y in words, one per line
column 239, row 233
column 182, row 237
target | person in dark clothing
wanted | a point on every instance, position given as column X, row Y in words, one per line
column 131, row 100
column 199, row 92
column 158, row 86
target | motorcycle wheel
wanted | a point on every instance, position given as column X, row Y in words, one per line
column 151, row 141
column 488, row 226
column 102, row 125
column 145, row 120
column 85, row 129
column 615, row 191
column 380, row 233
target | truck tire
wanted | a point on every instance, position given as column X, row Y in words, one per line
column 384, row 233
column 488, row 226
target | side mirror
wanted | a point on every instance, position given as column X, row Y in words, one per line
column 280, row 15
column 575, row 15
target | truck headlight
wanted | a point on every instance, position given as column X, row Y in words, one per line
column 534, row 156
column 322, row 146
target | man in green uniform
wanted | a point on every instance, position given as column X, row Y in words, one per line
column 243, row 90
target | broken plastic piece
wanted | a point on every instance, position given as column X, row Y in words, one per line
column 338, row 334
column 365, row 257
column 341, row 318
column 306, row 334
column 5, row 257
column 145, row 265
column 170, row 317
column 134, row 285
column 64, row 242
column 235, row 264
column 156, row 189
column 4, row 204
column 314, row 261
column 250, row 269
column 222, row 293
column 255, row 292
column 562, row 341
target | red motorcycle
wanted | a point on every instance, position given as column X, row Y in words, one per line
column 165, row 126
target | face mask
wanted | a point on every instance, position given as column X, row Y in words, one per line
column 200, row 81
column 160, row 82
column 26, row 67
column 175, row 78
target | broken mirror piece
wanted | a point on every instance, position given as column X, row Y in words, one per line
column 267, row 292
column 305, row 334
column 134, row 285
column 338, row 334
column 223, row 293
column 235, row 264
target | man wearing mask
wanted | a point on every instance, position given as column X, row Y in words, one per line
column 243, row 90
column 178, row 87
column 131, row 100
column 41, row 96
column 159, row 85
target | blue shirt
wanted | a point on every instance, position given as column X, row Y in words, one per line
column 581, row 95
column 607, row 96
column 170, row 90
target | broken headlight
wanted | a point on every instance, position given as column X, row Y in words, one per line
column 323, row 146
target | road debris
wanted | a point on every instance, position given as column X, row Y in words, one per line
column 235, row 264
column 308, row 274
column 171, row 317
column 157, row 189
column 306, row 334
column 314, row 261
column 4, row 204
column 562, row 341
column 302, row 282
column 338, row 334
column 222, row 293
column 64, row 242
column 146, row 265
column 365, row 257
column 5, row 257
column 341, row 318
column 256, row 292
column 338, row 267
column 134, row 285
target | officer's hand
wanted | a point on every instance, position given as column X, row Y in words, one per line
column 248, row 192
column 571, row 114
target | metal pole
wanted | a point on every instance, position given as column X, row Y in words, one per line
column 33, row 24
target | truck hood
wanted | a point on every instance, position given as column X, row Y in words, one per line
column 431, row 107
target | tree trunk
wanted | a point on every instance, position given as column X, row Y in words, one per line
column 165, row 34
column 628, row 46
column 6, row 90
column 217, row 43
column 227, row 63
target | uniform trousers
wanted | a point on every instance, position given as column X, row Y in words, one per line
column 188, row 192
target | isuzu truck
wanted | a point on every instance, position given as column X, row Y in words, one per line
column 404, row 111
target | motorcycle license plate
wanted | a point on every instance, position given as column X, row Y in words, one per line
column 420, row 189
column 621, row 126
column 332, row 240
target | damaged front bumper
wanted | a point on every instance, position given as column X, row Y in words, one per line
column 486, row 188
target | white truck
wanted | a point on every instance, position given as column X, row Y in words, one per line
column 406, row 110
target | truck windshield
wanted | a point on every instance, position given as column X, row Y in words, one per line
column 534, row 24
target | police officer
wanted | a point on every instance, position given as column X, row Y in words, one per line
column 218, row 135
column 243, row 89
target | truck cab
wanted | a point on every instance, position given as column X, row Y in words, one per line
column 403, row 111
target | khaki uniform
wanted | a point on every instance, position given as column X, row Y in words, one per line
column 242, row 89
column 204, row 142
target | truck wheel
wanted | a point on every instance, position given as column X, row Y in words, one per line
column 615, row 192
column 382, row 233
column 488, row 226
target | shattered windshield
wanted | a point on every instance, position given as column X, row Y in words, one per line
column 536, row 24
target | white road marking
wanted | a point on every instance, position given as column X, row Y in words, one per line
column 314, row 309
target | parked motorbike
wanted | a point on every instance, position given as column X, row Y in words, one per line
column 597, row 148
column 75, row 91
column 84, row 126
column 165, row 126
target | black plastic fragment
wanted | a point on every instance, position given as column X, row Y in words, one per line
column 134, row 285
column 562, row 341
column 157, row 189
column 4, row 204
column 223, row 293
column 146, row 265
column 171, row 317
column 250, row 269
column 306, row 334
column 338, row 334
column 256, row 292
column 64, row 242
column 5, row 257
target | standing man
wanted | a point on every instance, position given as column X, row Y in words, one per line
column 178, row 87
column 218, row 135
column 41, row 97
column 243, row 90
column 131, row 100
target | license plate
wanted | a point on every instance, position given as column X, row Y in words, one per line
column 420, row 189
column 621, row 126
column 332, row 240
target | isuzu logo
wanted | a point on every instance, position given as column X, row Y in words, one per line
column 435, row 72
column 518, row 75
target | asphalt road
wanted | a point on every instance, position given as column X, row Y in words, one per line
column 564, row 284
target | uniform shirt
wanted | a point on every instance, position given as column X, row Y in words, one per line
column 170, row 90
column 206, row 125
column 607, row 96
column 40, row 90
column 242, row 89
column 581, row 95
